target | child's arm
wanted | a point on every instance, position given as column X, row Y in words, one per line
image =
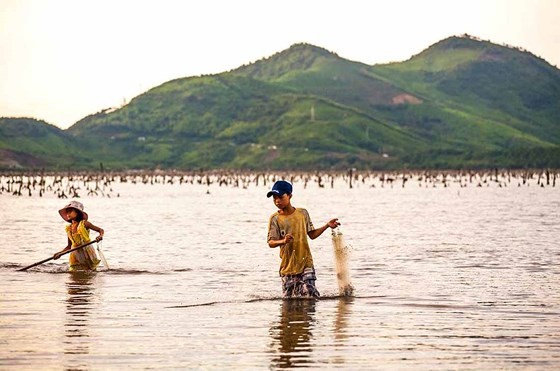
column 283, row 241
column 333, row 223
column 97, row 229
column 57, row 255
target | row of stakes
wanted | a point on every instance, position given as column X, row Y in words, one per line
column 74, row 185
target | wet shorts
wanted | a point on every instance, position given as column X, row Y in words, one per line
column 300, row 285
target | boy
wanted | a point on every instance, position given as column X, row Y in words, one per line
column 289, row 228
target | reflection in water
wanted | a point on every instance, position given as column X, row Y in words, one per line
column 78, row 308
column 340, row 324
column 292, row 335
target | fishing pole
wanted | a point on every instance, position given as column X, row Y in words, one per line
column 64, row 253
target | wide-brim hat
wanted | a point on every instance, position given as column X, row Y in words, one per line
column 73, row 205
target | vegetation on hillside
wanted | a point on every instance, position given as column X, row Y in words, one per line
column 461, row 103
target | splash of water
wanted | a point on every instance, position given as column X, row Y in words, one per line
column 341, row 257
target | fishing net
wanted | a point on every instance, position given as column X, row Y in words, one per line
column 341, row 257
column 101, row 255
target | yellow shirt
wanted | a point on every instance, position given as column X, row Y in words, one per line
column 296, row 255
column 84, row 258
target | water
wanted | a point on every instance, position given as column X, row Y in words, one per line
column 444, row 278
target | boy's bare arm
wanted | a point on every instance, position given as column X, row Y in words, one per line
column 283, row 241
column 333, row 223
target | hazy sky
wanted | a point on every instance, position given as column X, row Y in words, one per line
column 61, row 60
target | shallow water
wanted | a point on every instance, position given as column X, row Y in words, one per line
column 445, row 278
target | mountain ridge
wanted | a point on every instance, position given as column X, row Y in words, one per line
column 461, row 102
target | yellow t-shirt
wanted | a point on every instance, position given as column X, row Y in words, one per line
column 296, row 255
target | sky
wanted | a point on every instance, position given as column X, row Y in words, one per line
column 61, row 60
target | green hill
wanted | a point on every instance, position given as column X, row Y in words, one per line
column 460, row 103
column 30, row 143
column 494, row 102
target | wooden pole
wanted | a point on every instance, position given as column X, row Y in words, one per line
column 52, row 257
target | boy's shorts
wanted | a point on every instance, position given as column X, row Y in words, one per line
column 300, row 285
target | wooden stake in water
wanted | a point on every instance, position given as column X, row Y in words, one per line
column 341, row 257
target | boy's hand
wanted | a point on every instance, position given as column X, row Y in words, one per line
column 288, row 238
column 57, row 255
column 333, row 223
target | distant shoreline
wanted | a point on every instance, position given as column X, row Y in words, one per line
column 68, row 184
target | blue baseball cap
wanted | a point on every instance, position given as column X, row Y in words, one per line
column 279, row 188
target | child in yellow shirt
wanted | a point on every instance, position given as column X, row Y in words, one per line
column 78, row 234
column 289, row 228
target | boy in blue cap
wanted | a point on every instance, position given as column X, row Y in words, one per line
column 289, row 228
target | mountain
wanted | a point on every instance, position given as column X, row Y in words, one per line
column 484, row 99
column 30, row 143
column 498, row 83
column 241, row 121
column 460, row 103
